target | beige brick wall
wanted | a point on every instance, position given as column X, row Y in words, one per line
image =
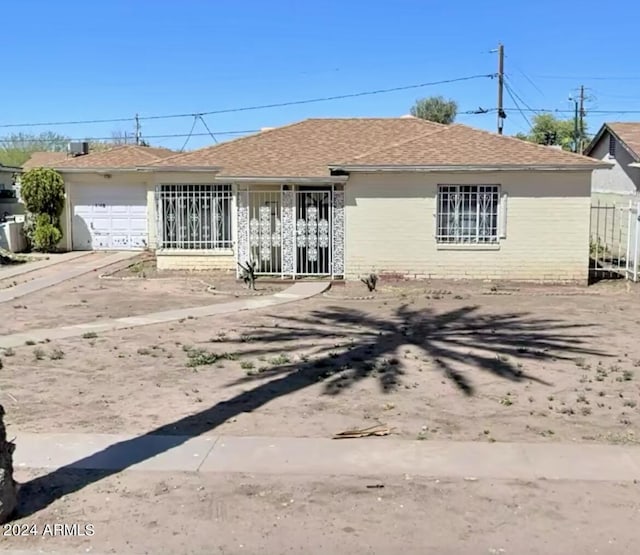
column 390, row 227
column 195, row 262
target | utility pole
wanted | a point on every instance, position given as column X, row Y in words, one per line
column 501, row 114
column 138, row 129
column 576, row 132
column 581, row 128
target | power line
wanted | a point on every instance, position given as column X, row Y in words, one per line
column 592, row 78
column 511, row 94
column 565, row 111
column 531, row 82
column 257, row 107
column 510, row 85
column 330, row 98
column 209, row 130
column 195, row 120
column 170, row 136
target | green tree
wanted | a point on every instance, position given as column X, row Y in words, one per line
column 17, row 148
column 42, row 190
column 435, row 108
column 547, row 129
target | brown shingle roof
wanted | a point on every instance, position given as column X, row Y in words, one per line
column 125, row 156
column 629, row 134
column 44, row 160
column 459, row 145
column 302, row 149
column 309, row 147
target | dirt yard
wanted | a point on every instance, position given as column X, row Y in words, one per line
column 118, row 291
column 229, row 514
column 430, row 360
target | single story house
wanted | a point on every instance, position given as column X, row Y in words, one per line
column 619, row 144
column 342, row 198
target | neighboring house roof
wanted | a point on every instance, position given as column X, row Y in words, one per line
column 44, row 160
column 628, row 133
column 310, row 147
column 119, row 157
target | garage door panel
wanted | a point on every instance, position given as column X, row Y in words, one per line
column 138, row 241
column 138, row 224
column 100, row 241
column 109, row 217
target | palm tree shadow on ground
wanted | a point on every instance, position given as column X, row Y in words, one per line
column 455, row 342
column 458, row 338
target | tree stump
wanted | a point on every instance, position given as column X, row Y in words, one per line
column 8, row 490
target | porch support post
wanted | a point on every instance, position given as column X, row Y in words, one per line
column 288, row 231
column 337, row 233
column 242, row 250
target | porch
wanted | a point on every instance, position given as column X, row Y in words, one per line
column 289, row 230
column 292, row 231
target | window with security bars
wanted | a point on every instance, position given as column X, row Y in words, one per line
column 467, row 214
column 194, row 216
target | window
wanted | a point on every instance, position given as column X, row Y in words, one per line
column 612, row 146
column 194, row 216
column 467, row 214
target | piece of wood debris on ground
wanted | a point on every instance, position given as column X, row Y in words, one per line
column 364, row 432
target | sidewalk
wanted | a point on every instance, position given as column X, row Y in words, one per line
column 296, row 292
column 64, row 273
column 357, row 457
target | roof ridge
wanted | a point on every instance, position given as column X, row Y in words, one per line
column 145, row 150
column 400, row 143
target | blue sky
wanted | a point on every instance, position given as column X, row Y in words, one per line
column 90, row 59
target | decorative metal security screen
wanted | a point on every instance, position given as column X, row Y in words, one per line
column 313, row 232
column 194, row 216
column 292, row 230
column 467, row 214
column 265, row 233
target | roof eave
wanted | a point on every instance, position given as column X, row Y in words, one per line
column 471, row 168
column 132, row 169
column 595, row 140
column 328, row 179
column 105, row 169
column 198, row 169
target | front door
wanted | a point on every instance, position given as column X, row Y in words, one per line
column 292, row 231
column 313, row 231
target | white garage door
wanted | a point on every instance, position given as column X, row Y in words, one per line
column 109, row 217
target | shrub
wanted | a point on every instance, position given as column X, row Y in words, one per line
column 42, row 190
column 45, row 235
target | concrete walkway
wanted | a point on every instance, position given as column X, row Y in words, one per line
column 359, row 457
column 296, row 292
column 83, row 266
column 43, row 261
